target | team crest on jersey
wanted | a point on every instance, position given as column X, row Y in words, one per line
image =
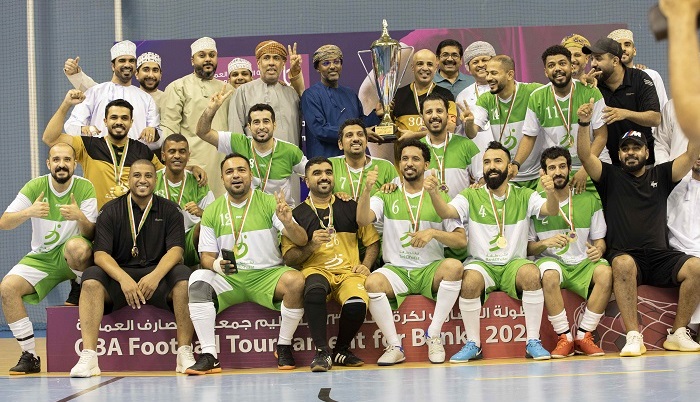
column 405, row 240
column 52, row 237
column 335, row 262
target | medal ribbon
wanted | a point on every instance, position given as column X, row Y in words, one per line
column 356, row 193
column 510, row 109
column 263, row 181
column 566, row 122
column 440, row 161
column 182, row 188
column 330, row 212
column 569, row 219
column 113, row 155
column 237, row 235
column 415, row 95
column 415, row 219
column 132, row 222
column 502, row 224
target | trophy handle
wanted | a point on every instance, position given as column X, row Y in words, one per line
column 405, row 66
column 363, row 62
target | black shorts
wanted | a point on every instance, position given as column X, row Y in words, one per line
column 654, row 267
column 158, row 299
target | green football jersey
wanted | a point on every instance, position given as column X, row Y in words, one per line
column 193, row 192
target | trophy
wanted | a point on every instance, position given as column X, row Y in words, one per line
column 386, row 60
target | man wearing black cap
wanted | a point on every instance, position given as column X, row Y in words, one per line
column 630, row 96
column 634, row 205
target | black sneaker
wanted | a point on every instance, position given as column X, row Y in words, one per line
column 74, row 295
column 285, row 359
column 206, row 364
column 322, row 362
column 27, row 364
column 344, row 357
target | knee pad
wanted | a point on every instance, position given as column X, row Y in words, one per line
column 354, row 309
column 316, row 288
column 200, row 292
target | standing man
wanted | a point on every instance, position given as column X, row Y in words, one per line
column 579, row 60
column 630, row 96
column 551, row 113
column 498, row 246
column 571, row 245
column 448, row 76
column 274, row 161
column 268, row 89
column 261, row 277
column 240, row 71
column 330, row 262
column 185, row 100
column 634, row 202
column 504, row 108
column 139, row 240
column 683, row 212
column 177, row 184
column 62, row 209
column 88, row 117
column 415, row 238
column 326, row 105
column 670, row 141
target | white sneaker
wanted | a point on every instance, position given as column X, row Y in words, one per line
column 87, row 365
column 185, row 358
column 391, row 356
column 436, row 353
column 681, row 340
column 634, row 346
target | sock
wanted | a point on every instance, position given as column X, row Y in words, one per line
column 290, row 321
column 78, row 275
column 352, row 316
column 589, row 323
column 203, row 316
column 533, row 305
column 316, row 313
column 382, row 315
column 447, row 295
column 561, row 325
column 471, row 310
column 23, row 331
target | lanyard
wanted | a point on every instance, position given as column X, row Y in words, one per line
column 440, row 161
column 510, row 109
column 132, row 222
column 330, row 214
column 356, row 192
column 113, row 155
column 415, row 95
column 182, row 188
column 502, row 224
column 237, row 235
column 263, row 181
column 570, row 218
column 415, row 219
column 566, row 121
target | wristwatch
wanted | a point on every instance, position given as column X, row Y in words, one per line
column 516, row 163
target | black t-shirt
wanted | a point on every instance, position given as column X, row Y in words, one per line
column 635, row 207
column 406, row 114
column 637, row 93
column 164, row 229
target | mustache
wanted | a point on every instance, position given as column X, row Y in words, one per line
column 61, row 169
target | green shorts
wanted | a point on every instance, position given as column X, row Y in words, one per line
column 577, row 278
column 499, row 277
column 406, row 282
column 191, row 256
column 255, row 285
column 44, row 271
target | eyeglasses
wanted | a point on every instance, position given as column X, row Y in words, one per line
column 446, row 55
column 327, row 63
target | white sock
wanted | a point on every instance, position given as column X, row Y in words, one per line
column 203, row 316
column 23, row 331
column 589, row 322
column 447, row 295
column 471, row 310
column 381, row 314
column 561, row 324
column 290, row 321
column 78, row 275
column 533, row 305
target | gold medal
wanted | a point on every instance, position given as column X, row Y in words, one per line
column 119, row 190
column 134, row 251
column 235, row 249
column 331, row 230
column 572, row 237
column 444, row 188
column 501, row 242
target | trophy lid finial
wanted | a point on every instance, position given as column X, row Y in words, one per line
column 385, row 30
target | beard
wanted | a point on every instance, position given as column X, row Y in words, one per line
column 635, row 167
column 61, row 180
column 561, row 186
column 495, row 182
column 207, row 75
column 561, row 85
column 150, row 84
column 499, row 87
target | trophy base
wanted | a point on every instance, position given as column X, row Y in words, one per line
column 386, row 132
column 389, row 138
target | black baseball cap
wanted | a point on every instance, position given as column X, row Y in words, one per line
column 634, row 136
column 604, row 45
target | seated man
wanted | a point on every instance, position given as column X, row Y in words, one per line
column 139, row 241
column 63, row 209
column 571, row 245
column 498, row 247
column 260, row 278
column 331, row 264
column 414, row 246
column 179, row 185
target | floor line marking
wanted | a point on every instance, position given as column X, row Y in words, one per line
column 572, row 375
column 85, row 391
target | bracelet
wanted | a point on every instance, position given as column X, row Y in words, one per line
column 516, row 163
column 584, row 123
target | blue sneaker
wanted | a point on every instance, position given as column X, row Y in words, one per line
column 468, row 352
column 534, row 350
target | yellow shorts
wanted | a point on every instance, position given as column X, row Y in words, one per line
column 345, row 284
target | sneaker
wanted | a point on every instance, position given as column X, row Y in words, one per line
column 322, row 362
column 285, row 359
column 565, row 348
column 681, row 341
column 587, row 346
column 74, row 296
column 468, row 352
column 185, row 359
column 436, row 353
column 27, row 364
column 206, row 364
column 344, row 357
column 87, row 365
column 634, row 345
column 535, row 350
column 391, row 356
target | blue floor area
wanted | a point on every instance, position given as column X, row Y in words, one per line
column 661, row 377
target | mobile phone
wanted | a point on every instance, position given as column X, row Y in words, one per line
column 658, row 22
column 230, row 268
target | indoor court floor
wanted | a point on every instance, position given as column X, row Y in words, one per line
column 656, row 376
